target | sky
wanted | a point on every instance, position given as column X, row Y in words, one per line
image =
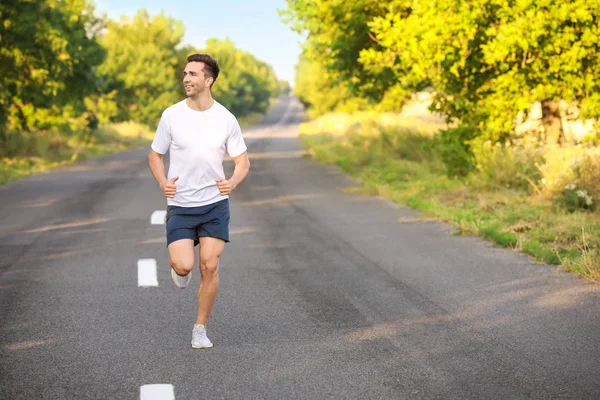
column 253, row 25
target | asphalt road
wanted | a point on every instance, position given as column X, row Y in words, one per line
column 324, row 294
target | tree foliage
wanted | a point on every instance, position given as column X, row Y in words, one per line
column 142, row 64
column 317, row 90
column 486, row 60
column 63, row 67
column 337, row 32
column 48, row 53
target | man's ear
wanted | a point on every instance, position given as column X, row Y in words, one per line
column 210, row 80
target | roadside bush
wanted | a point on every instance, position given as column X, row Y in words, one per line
column 454, row 148
column 573, row 199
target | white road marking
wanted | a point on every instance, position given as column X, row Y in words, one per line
column 147, row 272
column 157, row 392
column 158, row 217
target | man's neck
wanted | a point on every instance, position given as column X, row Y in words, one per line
column 201, row 102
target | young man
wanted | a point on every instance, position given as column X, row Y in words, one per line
column 198, row 131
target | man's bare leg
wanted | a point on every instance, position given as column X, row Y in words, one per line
column 181, row 256
column 210, row 252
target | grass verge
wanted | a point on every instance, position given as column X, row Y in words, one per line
column 39, row 153
column 396, row 158
column 35, row 153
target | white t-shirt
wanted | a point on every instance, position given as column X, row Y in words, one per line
column 197, row 141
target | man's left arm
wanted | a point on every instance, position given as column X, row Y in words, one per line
column 242, row 166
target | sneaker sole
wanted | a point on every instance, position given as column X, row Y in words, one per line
column 201, row 347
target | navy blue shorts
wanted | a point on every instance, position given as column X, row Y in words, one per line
column 193, row 222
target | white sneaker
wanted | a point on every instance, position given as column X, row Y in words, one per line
column 181, row 281
column 199, row 339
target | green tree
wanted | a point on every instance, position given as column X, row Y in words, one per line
column 143, row 65
column 48, row 51
column 318, row 92
column 544, row 51
column 487, row 60
column 336, row 33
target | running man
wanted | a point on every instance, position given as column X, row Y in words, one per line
column 198, row 131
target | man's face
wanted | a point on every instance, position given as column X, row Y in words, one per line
column 194, row 79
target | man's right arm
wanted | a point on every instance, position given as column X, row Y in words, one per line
column 155, row 160
column 168, row 187
column 160, row 145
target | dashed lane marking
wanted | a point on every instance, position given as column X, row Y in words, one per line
column 157, row 392
column 147, row 272
column 158, row 217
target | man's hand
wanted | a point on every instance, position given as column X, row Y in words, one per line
column 226, row 186
column 169, row 188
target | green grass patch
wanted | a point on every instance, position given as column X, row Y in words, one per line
column 495, row 233
column 396, row 159
column 27, row 153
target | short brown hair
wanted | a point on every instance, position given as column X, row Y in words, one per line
column 211, row 67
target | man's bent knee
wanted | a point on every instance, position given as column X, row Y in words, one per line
column 182, row 267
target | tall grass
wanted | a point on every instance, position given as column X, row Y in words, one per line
column 27, row 153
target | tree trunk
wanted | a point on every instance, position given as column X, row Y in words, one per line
column 552, row 122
